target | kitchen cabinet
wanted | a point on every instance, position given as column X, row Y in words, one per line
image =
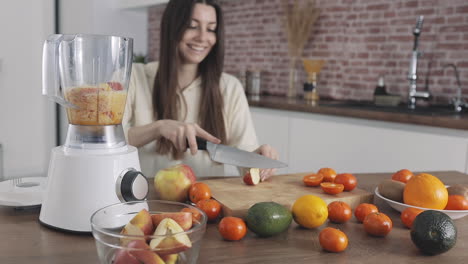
column 308, row 141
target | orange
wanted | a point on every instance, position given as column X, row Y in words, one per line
column 363, row 210
column 329, row 174
column 339, row 212
column 232, row 228
column 377, row 224
column 199, row 191
column 332, row 188
column 425, row 190
column 408, row 215
column 456, row 202
column 348, row 180
column 312, row 180
column 333, row 240
column 211, row 207
column 403, row 175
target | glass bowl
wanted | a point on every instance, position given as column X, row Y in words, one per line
column 117, row 246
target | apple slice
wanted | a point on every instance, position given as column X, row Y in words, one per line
column 134, row 233
column 144, row 253
column 252, row 177
column 172, row 238
column 184, row 219
column 144, row 222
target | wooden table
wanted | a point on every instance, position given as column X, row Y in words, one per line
column 24, row 240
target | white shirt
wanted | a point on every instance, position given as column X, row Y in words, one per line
column 240, row 131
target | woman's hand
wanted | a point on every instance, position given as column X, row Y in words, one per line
column 270, row 152
column 179, row 133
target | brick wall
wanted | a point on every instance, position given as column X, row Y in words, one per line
column 359, row 39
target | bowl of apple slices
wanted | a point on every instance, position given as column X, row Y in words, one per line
column 150, row 231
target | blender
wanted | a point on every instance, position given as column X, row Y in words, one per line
column 89, row 76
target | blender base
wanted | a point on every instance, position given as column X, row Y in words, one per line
column 82, row 181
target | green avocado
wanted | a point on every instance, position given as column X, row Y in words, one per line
column 433, row 232
column 268, row 219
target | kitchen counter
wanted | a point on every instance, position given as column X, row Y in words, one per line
column 338, row 108
column 24, row 240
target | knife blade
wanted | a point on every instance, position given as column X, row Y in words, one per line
column 234, row 156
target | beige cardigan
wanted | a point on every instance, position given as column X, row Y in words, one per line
column 238, row 121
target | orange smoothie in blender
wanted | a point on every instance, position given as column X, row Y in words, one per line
column 102, row 105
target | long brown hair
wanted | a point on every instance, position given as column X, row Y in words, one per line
column 166, row 102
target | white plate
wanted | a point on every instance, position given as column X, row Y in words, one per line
column 29, row 193
column 454, row 214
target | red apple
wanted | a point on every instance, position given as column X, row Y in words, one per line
column 252, row 177
column 184, row 219
column 172, row 238
column 173, row 183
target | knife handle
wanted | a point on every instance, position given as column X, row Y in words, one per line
column 201, row 143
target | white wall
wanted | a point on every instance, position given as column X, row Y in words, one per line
column 27, row 121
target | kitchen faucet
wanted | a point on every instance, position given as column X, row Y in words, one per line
column 413, row 69
column 458, row 101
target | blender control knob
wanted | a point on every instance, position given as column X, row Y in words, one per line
column 132, row 186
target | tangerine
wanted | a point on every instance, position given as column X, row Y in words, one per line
column 377, row 224
column 363, row 210
column 232, row 228
column 329, row 174
column 312, row 180
column 403, row 175
column 348, row 180
column 456, row 202
column 211, row 207
column 339, row 212
column 332, row 188
column 408, row 215
column 333, row 240
column 199, row 191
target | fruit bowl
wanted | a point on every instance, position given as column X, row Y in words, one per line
column 122, row 234
column 454, row 214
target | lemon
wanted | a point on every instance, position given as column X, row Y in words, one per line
column 310, row 211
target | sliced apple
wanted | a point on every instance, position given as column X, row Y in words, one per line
column 172, row 238
column 252, row 177
column 144, row 222
column 144, row 253
column 184, row 219
column 170, row 259
column 133, row 232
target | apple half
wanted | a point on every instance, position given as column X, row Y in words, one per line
column 172, row 238
column 252, row 177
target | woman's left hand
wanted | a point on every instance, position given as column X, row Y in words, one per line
column 267, row 151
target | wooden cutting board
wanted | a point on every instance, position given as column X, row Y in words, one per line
column 236, row 197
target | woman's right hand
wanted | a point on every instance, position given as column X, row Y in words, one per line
column 179, row 133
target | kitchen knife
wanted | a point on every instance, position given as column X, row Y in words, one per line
column 234, row 156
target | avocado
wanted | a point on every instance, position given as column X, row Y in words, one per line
column 392, row 190
column 268, row 219
column 433, row 232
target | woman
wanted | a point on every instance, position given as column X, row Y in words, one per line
column 186, row 95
